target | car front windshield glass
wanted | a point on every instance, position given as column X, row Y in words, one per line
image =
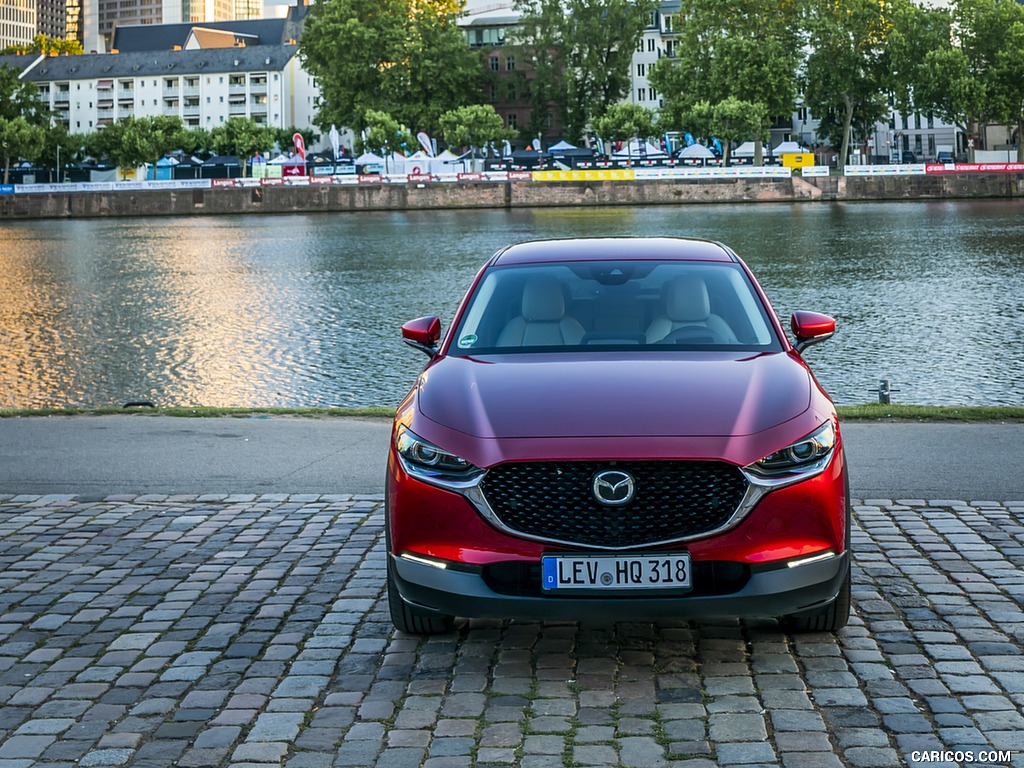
column 575, row 306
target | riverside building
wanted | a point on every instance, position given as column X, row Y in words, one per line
column 204, row 76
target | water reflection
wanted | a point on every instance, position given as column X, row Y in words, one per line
column 304, row 310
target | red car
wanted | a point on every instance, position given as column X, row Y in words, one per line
column 617, row 429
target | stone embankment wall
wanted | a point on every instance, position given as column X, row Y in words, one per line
column 399, row 197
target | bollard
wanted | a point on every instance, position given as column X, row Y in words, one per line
column 884, row 391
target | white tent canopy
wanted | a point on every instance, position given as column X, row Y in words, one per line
column 421, row 163
column 697, row 152
column 561, row 146
column 789, row 148
column 368, row 158
column 637, row 148
column 746, row 149
column 448, row 162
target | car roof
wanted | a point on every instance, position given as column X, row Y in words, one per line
column 614, row 249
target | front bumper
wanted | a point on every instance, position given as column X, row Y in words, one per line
column 769, row 592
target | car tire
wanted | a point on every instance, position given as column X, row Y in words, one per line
column 832, row 618
column 412, row 620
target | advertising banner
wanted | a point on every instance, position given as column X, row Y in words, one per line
column 476, row 176
column 164, row 184
column 714, row 172
column 611, row 174
column 884, row 170
column 45, row 189
column 975, row 168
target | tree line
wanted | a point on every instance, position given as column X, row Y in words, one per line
column 735, row 64
column 409, row 60
column 46, row 45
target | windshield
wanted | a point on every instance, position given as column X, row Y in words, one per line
column 614, row 304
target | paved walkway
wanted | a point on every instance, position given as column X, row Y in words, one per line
column 136, row 453
column 252, row 631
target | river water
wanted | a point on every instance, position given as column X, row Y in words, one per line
column 305, row 310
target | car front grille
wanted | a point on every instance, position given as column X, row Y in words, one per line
column 555, row 501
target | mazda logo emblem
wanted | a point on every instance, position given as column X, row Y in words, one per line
column 614, row 487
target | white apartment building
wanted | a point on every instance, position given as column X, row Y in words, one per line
column 265, row 83
column 659, row 39
column 918, row 133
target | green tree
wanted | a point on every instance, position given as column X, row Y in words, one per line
column 108, row 145
column 405, row 57
column 476, row 125
column 914, row 32
column 381, row 133
column 195, row 141
column 133, row 141
column 976, row 76
column 20, row 99
column 581, row 52
column 45, row 45
column 622, row 122
column 1008, row 75
column 242, row 137
column 59, row 148
column 384, row 135
column 157, row 136
column 847, row 69
column 730, row 120
column 747, row 50
column 20, row 139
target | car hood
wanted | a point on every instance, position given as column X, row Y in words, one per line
column 615, row 395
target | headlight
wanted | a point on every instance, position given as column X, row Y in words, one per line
column 798, row 461
column 428, row 462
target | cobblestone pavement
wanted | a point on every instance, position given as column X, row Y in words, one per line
column 253, row 631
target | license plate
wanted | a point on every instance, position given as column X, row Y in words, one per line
column 610, row 572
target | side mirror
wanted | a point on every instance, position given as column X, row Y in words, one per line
column 423, row 333
column 811, row 328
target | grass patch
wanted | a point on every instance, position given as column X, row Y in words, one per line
column 900, row 412
column 866, row 412
column 203, row 412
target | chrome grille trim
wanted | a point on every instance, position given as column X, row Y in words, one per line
column 737, row 509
